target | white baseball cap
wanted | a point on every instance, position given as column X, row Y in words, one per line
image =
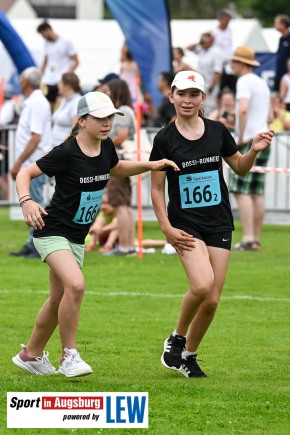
column 188, row 80
column 96, row 104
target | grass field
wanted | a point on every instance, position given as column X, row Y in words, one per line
column 131, row 306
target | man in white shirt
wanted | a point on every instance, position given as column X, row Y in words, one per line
column 223, row 40
column 33, row 139
column 252, row 117
column 60, row 57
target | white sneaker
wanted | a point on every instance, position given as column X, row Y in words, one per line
column 72, row 364
column 168, row 249
column 39, row 365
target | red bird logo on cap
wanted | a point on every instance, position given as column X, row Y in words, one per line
column 191, row 78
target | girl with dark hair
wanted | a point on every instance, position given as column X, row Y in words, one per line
column 198, row 222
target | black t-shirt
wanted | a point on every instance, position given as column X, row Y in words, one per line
column 198, row 195
column 80, row 181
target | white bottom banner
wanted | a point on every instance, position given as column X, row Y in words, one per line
column 77, row 410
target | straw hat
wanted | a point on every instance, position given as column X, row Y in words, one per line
column 245, row 55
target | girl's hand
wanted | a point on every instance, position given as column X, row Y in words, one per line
column 32, row 214
column 160, row 164
column 262, row 140
column 180, row 240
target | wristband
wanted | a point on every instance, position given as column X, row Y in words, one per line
column 24, row 196
column 24, row 201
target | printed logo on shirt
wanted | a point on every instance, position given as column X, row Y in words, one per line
column 204, row 160
column 95, row 178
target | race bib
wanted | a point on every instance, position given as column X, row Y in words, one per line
column 89, row 206
column 200, row 190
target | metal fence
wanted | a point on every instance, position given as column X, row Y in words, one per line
column 277, row 178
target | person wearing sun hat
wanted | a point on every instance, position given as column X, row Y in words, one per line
column 252, row 116
column 198, row 221
column 82, row 166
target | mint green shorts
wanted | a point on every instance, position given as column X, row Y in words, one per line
column 47, row 245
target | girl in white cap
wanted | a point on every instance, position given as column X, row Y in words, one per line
column 198, row 221
column 82, row 166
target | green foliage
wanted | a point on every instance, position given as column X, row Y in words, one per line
column 266, row 11
column 129, row 309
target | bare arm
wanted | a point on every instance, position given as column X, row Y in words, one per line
column 215, row 80
column 242, row 163
column 120, row 137
column 44, row 63
column 242, row 114
column 30, row 209
column 179, row 239
column 75, row 63
column 283, row 88
column 29, row 149
column 125, row 168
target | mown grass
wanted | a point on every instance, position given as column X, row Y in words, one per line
column 129, row 309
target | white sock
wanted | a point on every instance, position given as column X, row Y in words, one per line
column 186, row 353
column 174, row 333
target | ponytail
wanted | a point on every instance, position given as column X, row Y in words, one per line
column 201, row 112
column 73, row 132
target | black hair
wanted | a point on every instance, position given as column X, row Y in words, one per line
column 43, row 26
column 167, row 76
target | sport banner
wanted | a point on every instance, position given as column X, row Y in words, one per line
column 77, row 410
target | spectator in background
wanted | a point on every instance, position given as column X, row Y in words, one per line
column 102, row 85
column 59, row 57
column 282, row 23
column 104, row 231
column 165, row 112
column 210, row 65
column 129, row 70
column 280, row 117
column 65, row 116
column 284, row 87
column 33, row 140
column 225, row 111
column 223, row 40
column 119, row 189
column 178, row 62
column 8, row 115
column 252, row 117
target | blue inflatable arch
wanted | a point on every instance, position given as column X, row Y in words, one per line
column 14, row 45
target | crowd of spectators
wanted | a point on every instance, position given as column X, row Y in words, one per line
column 62, row 88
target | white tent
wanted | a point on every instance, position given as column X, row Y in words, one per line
column 272, row 37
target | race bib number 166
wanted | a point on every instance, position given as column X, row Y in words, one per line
column 200, row 190
column 89, row 206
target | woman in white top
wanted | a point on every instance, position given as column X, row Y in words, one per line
column 65, row 116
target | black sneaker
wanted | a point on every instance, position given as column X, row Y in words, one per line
column 25, row 250
column 32, row 255
column 173, row 347
column 190, row 369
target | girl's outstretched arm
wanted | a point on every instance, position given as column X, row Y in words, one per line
column 125, row 168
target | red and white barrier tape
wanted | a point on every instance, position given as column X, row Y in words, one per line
column 266, row 169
